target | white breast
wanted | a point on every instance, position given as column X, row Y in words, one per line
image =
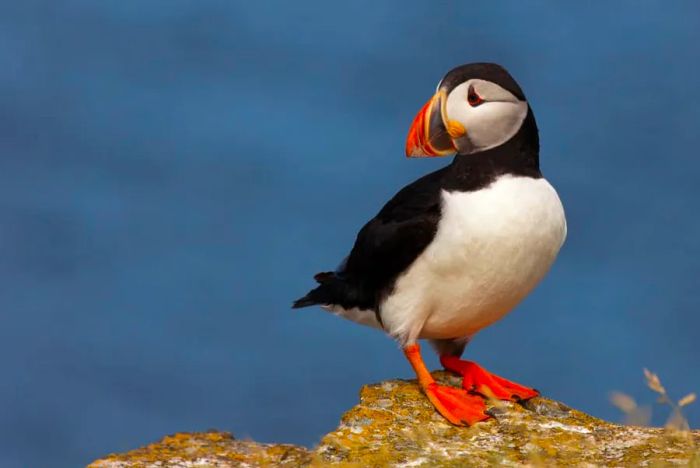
column 491, row 248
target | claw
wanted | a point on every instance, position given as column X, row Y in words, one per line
column 491, row 414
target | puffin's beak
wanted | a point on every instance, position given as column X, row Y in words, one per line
column 428, row 135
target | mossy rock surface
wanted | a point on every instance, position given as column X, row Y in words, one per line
column 395, row 425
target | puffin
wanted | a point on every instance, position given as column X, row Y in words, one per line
column 456, row 250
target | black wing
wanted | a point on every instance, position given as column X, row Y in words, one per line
column 385, row 247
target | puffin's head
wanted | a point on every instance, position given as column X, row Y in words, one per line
column 476, row 107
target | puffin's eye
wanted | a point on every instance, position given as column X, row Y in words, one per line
column 472, row 98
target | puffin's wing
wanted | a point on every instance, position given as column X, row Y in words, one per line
column 385, row 247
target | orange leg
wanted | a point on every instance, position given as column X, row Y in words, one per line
column 478, row 379
column 455, row 404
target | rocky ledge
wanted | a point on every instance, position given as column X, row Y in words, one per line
column 395, row 425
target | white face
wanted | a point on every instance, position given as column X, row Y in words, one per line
column 490, row 114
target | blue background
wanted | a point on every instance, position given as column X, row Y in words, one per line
column 173, row 172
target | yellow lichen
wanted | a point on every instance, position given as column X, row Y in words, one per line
column 394, row 424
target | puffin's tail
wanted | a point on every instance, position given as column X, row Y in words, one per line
column 326, row 293
column 305, row 301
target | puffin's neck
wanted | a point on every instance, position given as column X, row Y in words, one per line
column 518, row 156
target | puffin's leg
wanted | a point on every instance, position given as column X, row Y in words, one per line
column 455, row 404
column 478, row 379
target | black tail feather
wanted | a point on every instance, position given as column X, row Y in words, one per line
column 326, row 293
column 305, row 301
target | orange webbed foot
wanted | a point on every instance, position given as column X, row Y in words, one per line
column 456, row 405
column 477, row 379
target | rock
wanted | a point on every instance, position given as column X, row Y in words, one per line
column 205, row 450
column 395, row 425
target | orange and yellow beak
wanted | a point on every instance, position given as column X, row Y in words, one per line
column 431, row 133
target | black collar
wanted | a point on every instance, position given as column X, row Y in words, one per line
column 518, row 156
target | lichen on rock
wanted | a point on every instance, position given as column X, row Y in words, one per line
column 207, row 450
column 395, row 425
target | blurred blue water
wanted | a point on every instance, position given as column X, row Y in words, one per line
column 173, row 172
